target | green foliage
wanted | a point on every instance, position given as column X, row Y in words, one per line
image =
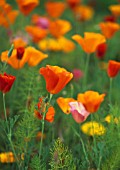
column 36, row 164
column 61, row 157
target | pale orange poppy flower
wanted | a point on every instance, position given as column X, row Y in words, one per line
column 55, row 9
column 7, row 15
column 34, row 56
column 63, row 103
column 83, row 13
column 66, row 44
column 59, row 27
column 113, row 68
column 13, row 60
column 7, row 157
column 49, row 44
column 27, row 6
column 90, row 41
column 115, row 9
column 91, row 100
column 36, row 33
column 109, row 29
column 56, row 78
column 19, row 42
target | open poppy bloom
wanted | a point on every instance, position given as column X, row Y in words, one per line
column 55, row 9
column 78, row 111
column 36, row 33
column 6, row 82
column 91, row 100
column 64, row 104
column 59, row 27
column 115, row 9
column 30, row 56
column 56, row 78
column 83, row 13
column 26, row 6
column 41, row 108
column 109, row 28
column 7, row 15
column 113, row 68
column 93, row 128
column 90, row 41
column 101, row 50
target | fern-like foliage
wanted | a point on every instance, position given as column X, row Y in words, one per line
column 36, row 164
column 61, row 157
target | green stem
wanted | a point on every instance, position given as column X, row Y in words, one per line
column 5, row 114
column 83, row 146
column 110, row 91
column 9, row 131
column 86, row 71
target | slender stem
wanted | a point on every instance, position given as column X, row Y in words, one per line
column 86, row 71
column 5, row 114
column 9, row 130
column 110, row 91
column 83, row 146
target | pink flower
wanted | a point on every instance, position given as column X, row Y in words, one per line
column 43, row 22
column 78, row 111
column 77, row 74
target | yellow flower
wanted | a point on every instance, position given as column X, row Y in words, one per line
column 7, row 157
column 93, row 128
column 110, row 118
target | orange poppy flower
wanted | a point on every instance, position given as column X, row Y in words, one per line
column 83, row 13
column 55, row 9
column 115, row 9
column 36, row 33
column 109, row 28
column 34, row 56
column 60, row 44
column 6, row 82
column 59, row 27
column 30, row 55
column 19, row 42
column 113, row 68
column 7, row 157
column 64, row 104
column 26, row 6
column 56, row 78
column 49, row 115
column 13, row 59
column 91, row 100
column 7, row 15
column 90, row 41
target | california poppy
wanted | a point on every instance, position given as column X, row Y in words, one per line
column 55, row 9
column 7, row 157
column 93, row 128
column 26, row 6
column 83, row 13
column 6, row 82
column 19, row 42
column 56, row 78
column 109, row 28
column 113, row 68
column 59, row 27
column 36, row 33
column 101, row 50
column 63, row 103
column 115, row 9
column 109, row 18
column 78, row 111
column 91, row 100
column 90, row 41
column 7, row 15
column 34, row 56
